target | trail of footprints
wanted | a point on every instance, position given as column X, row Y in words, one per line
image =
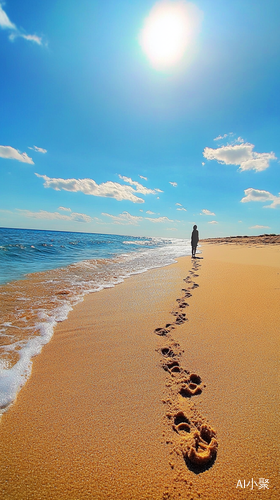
column 192, row 437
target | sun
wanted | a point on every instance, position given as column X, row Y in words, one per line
column 167, row 32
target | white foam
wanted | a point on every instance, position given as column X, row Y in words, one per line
column 137, row 242
column 87, row 277
column 12, row 379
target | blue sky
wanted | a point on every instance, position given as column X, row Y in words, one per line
column 95, row 137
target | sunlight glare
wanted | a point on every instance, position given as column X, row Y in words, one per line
column 168, row 30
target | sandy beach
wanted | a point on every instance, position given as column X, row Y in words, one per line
column 163, row 387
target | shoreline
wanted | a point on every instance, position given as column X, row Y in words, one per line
column 262, row 239
column 98, row 425
column 31, row 307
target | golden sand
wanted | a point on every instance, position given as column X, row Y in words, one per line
column 165, row 386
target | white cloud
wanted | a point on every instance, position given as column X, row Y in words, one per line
column 220, row 137
column 13, row 154
column 259, row 227
column 142, row 177
column 33, row 38
column 262, row 196
column 42, row 214
column 6, row 212
column 98, row 221
column 80, row 217
column 90, row 187
column 179, row 204
column 124, row 219
column 138, row 187
column 159, row 219
column 230, row 137
column 65, row 209
column 30, row 38
column 203, row 163
column 5, row 23
column 213, row 222
column 240, row 140
column 38, row 150
column 150, row 213
column 174, row 184
column 240, row 154
column 182, row 208
column 206, row 212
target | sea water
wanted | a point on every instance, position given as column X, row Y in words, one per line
column 43, row 274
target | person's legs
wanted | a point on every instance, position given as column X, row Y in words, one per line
column 193, row 250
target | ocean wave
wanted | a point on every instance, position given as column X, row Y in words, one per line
column 31, row 308
column 137, row 242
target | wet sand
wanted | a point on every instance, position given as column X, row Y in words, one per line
column 121, row 406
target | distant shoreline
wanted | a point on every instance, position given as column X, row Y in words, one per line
column 262, row 239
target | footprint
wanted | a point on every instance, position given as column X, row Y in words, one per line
column 181, row 423
column 195, row 285
column 161, row 331
column 196, row 441
column 182, row 303
column 171, row 365
column 174, row 370
column 167, row 351
column 191, row 386
column 200, row 447
column 180, row 318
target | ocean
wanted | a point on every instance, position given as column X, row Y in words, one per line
column 43, row 274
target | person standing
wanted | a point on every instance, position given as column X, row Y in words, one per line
column 194, row 240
